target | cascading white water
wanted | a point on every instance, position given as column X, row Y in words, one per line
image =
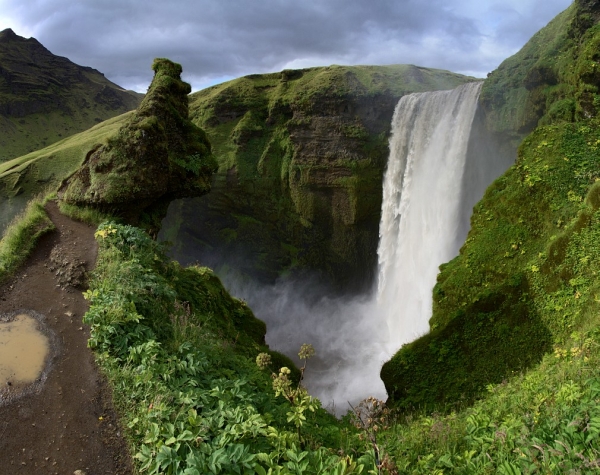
column 432, row 181
column 420, row 216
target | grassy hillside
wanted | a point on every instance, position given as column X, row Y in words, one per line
column 24, row 177
column 44, row 98
column 525, row 279
column 301, row 157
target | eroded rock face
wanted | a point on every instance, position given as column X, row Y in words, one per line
column 159, row 155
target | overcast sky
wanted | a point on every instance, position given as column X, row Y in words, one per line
column 217, row 40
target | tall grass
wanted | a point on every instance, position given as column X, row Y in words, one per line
column 22, row 236
column 86, row 214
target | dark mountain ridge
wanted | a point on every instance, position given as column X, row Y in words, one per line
column 44, row 97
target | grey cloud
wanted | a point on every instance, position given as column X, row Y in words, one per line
column 220, row 39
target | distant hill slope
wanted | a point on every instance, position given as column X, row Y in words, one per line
column 44, row 98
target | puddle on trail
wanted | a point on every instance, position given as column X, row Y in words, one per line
column 23, row 350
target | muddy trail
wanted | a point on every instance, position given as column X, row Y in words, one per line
column 64, row 423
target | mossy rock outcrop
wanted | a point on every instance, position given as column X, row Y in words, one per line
column 157, row 156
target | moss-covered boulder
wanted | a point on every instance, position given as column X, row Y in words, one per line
column 526, row 277
column 158, row 155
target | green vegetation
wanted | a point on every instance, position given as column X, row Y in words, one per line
column 180, row 354
column 544, row 421
column 22, row 236
column 85, row 214
column 45, row 98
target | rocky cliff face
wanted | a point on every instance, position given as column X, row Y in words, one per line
column 301, row 157
column 44, row 97
column 157, row 156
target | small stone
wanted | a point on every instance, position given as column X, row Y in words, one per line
column 78, row 472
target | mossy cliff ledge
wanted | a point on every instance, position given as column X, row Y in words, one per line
column 157, row 156
column 526, row 279
column 301, row 157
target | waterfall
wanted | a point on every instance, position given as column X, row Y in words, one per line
column 421, row 224
column 441, row 161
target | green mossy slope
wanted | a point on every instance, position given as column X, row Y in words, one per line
column 526, row 277
column 554, row 78
column 301, row 156
column 180, row 353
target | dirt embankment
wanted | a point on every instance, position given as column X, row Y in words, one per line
column 66, row 423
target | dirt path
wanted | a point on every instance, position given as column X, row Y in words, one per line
column 68, row 424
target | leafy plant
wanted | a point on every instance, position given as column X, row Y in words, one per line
column 370, row 416
column 296, row 395
column 192, row 398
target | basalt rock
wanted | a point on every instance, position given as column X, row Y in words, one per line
column 157, row 156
